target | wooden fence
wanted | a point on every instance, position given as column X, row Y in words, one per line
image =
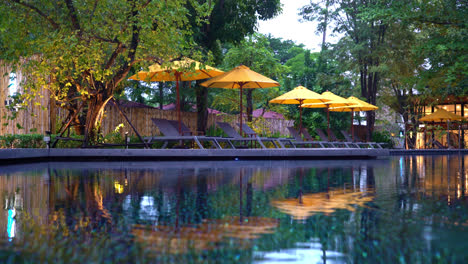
column 42, row 115
column 38, row 119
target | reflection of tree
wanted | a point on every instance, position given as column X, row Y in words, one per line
column 84, row 199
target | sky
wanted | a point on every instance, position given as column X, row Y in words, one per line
column 288, row 27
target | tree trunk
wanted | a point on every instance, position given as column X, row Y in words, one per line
column 95, row 113
column 202, row 109
column 161, row 95
column 248, row 98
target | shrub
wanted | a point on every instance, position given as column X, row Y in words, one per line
column 383, row 137
column 22, row 141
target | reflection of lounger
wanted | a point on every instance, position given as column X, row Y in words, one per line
column 233, row 136
column 171, row 134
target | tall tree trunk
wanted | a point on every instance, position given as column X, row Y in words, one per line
column 95, row 113
column 202, row 108
column 161, row 95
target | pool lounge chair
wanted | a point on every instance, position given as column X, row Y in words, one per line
column 252, row 134
column 358, row 142
column 233, row 136
column 335, row 142
column 171, row 134
column 297, row 140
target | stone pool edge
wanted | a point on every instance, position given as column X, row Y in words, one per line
column 8, row 156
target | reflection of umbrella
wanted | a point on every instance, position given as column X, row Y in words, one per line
column 442, row 115
column 327, row 202
column 358, row 106
column 335, row 101
column 244, row 228
column 181, row 70
column 299, row 95
column 240, row 77
column 176, row 240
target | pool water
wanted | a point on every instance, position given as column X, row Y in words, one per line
column 404, row 209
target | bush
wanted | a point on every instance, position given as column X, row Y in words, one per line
column 22, row 141
column 383, row 137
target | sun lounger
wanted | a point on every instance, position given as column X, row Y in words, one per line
column 334, row 143
column 299, row 142
column 233, row 136
column 357, row 141
column 171, row 134
column 252, row 134
column 438, row 145
column 185, row 131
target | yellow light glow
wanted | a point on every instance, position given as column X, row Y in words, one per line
column 119, row 188
column 458, row 107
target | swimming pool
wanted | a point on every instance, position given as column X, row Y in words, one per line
column 404, row 209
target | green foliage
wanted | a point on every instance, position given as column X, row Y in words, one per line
column 22, row 141
column 59, row 242
column 87, row 48
column 383, row 137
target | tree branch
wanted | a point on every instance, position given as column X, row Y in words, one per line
column 39, row 12
column 118, row 49
column 123, row 71
column 73, row 16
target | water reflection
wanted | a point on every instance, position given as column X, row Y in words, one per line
column 410, row 209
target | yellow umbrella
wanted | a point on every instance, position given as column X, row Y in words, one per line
column 442, row 115
column 240, row 77
column 299, row 95
column 358, row 106
column 181, row 70
column 335, row 101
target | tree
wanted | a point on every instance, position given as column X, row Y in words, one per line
column 83, row 50
column 364, row 39
column 228, row 21
column 253, row 52
column 442, row 30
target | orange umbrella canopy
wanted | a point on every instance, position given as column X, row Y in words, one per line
column 239, row 78
column 180, row 70
column 441, row 115
column 334, row 101
column 299, row 95
column 358, row 106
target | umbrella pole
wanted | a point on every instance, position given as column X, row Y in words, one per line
column 352, row 124
column 240, row 115
column 300, row 116
column 328, row 122
column 448, row 134
column 178, row 102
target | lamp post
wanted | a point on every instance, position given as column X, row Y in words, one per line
column 47, row 139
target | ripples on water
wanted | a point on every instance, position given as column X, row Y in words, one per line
column 403, row 209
